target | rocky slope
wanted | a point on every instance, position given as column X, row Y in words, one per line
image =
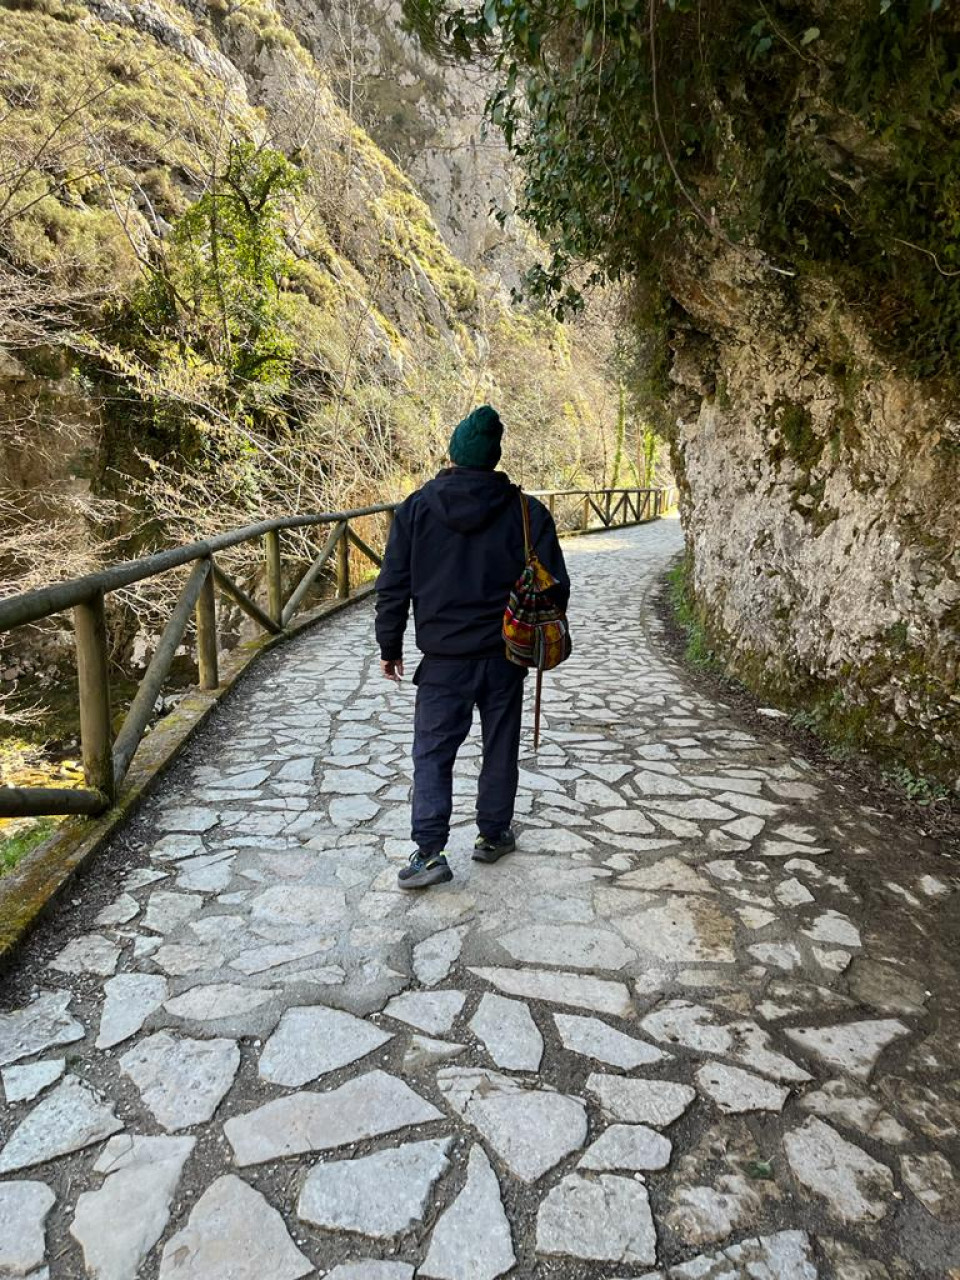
column 117, row 430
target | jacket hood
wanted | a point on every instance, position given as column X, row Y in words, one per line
column 468, row 500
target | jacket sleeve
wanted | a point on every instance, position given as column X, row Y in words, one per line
column 393, row 589
column 546, row 543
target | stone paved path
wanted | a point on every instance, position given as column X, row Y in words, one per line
column 704, row 1024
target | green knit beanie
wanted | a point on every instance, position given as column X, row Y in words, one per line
column 476, row 440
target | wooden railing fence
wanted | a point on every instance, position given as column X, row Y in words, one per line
column 106, row 759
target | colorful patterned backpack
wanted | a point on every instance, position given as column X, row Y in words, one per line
column 535, row 628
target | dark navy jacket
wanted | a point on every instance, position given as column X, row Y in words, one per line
column 455, row 551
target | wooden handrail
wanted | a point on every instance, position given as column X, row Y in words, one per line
column 105, row 760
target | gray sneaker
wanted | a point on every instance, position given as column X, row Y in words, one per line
column 425, row 869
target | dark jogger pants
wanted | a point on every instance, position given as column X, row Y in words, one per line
column 448, row 689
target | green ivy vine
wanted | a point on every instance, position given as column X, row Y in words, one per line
column 820, row 139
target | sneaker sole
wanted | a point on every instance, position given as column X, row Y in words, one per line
column 424, row 879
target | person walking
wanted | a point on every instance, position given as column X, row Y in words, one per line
column 455, row 550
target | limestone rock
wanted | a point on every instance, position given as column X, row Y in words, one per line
column 651, row 1102
column 598, row 1040
column 854, row 1047
column 313, row 1040
column 509, row 1033
column 371, row 1269
column 182, row 1081
column 424, row 1052
column 530, row 1129
column 574, row 946
column 130, row 1000
column 935, row 1183
column 736, row 1091
column 69, row 1119
column 365, row 1107
column 233, row 1233
column 472, row 1239
column 92, row 953
column 377, row 1195
column 628, row 1146
column 38, row 1026
column 217, row 1001
column 435, row 956
column 856, row 1187
column 119, row 1224
column 784, row 1256
column 23, row 1212
column 685, row 930
column 574, row 989
column 840, row 1100
column 22, row 1084
column 430, row 1011
column 602, row 1218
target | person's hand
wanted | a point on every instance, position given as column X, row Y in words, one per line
column 392, row 670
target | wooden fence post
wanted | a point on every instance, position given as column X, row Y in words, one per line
column 93, row 682
column 343, row 566
column 206, row 619
column 271, row 541
column 586, row 513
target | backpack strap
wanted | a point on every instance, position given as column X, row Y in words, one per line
column 527, row 540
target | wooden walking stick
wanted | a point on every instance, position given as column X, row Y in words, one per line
column 536, row 710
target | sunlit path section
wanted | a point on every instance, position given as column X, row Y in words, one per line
column 701, row 1025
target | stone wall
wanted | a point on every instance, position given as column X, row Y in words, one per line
column 821, row 498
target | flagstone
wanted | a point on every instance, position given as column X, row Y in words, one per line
column 600, row 1218
column 430, row 1011
column 24, row 1207
column 299, row 904
column 597, row 994
column 130, row 998
column 578, row 946
column 626, row 822
column 472, row 1240
column 598, row 1040
column 23, row 1084
column 836, row 929
column 853, row 1047
column 181, row 1081
column 650, row 1102
column 856, row 1187
column 634, row 1147
column 787, row 1255
column 839, row 1100
column 187, row 819
column 435, row 956
column 92, row 953
column 233, row 1233
column 683, row 930
column 530, row 1129
column 697, row 1028
column 70, row 1118
column 378, row 1195
column 365, row 1107
column 167, row 911
column 508, row 1033
column 311, row 1041
column 218, row 1001
column 734, row 1090
column 120, row 911
column 272, row 955
column 118, row 1224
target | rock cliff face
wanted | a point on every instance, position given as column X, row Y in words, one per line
column 428, row 117
column 821, row 497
